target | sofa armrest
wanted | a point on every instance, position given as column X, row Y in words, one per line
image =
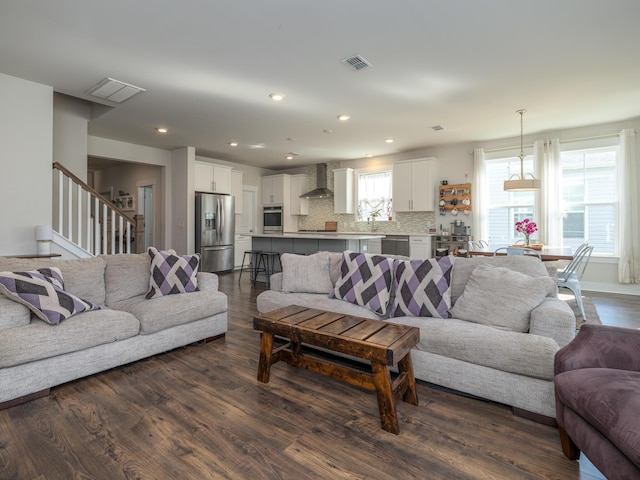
column 553, row 318
column 601, row 346
column 275, row 282
column 207, row 281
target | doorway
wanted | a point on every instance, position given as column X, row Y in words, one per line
column 246, row 221
column 145, row 207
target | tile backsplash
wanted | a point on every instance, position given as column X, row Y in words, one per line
column 321, row 211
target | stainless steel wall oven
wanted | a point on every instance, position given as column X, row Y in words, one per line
column 272, row 219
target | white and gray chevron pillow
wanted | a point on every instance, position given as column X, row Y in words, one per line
column 42, row 292
column 365, row 280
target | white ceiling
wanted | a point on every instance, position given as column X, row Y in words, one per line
column 208, row 67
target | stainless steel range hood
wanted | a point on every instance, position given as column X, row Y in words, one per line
column 321, row 190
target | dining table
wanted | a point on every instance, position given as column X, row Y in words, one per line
column 547, row 253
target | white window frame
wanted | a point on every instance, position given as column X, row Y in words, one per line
column 604, row 144
column 384, row 216
column 512, row 205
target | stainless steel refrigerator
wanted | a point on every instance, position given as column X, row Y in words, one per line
column 215, row 229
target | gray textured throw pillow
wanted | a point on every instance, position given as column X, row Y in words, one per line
column 501, row 297
column 306, row 274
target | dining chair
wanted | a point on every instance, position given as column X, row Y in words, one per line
column 518, row 251
column 570, row 276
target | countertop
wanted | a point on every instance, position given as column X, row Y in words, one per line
column 322, row 235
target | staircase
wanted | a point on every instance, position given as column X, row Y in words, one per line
column 86, row 223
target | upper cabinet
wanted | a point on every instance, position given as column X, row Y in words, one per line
column 299, row 185
column 414, row 186
column 275, row 188
column 236, row 188
column 343, row 190
column 212, row 178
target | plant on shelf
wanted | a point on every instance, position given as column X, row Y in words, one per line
column 527, row 228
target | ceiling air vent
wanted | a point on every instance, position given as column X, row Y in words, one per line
column 356, row 62
column 114, row 90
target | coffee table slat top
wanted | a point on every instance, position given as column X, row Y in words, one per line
column 365, row 338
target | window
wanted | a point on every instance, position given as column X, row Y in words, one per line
column 374, row 195
column 588, row 197
column 589, row 202
column 504, row 209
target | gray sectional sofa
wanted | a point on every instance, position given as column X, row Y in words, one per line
column 35, row 355
column 484, row 355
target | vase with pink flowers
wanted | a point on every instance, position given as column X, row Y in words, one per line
column 527, row 228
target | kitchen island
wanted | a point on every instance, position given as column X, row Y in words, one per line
column 312, row 242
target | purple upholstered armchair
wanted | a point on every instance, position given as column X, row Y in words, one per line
column 597, row 384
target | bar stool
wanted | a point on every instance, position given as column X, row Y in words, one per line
column 254, row 260
column 267, row 264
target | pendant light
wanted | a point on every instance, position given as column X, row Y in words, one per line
column 520, row 183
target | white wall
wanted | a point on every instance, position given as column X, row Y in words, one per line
column 183, row 214
column 70, row 123
column 26, row 126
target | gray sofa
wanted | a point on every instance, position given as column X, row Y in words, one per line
column 475, row 357
column 35, row 355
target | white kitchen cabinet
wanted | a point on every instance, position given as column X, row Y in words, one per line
column 343, row 190
column 236, row 189
column 299, row 185
column 375, row 245
column 420, row 246
column 240, row 245
column 414, row 186
column 275, row 188
column 212, row 178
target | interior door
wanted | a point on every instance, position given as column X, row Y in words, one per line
column 246, row 221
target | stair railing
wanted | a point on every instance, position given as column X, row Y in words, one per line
column 88, row 219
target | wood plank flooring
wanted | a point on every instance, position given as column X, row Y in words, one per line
column 198, row 412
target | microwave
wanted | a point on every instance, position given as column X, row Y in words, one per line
column 272, row 219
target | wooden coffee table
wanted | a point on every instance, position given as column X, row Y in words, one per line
column 382, row 344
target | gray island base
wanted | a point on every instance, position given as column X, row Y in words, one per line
column 309, row 243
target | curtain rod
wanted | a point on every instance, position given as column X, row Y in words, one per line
column 609, row 135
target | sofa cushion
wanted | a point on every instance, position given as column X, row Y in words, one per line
column 39, row 340
column 504, row 350
column 83, row 277
column 170, row 310
column 463, row 267
column 272, row 300
column 609, row 400
column 13, row 314
column 306, row 273
column 172, row 274
column 42, row 292
column 126, row 276
column 365, row 280
column 422, row 287
column 501, row 297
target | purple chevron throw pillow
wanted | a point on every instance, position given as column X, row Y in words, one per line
column 365, row 280
column 42, row 292
column 172, row 274
column 423, row 288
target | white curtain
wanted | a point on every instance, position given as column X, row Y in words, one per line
column 629, row 212
column 480, row 227
column 548, row 213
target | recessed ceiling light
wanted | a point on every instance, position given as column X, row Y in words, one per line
column 389, row 140
column 289, row 157
column 344, row 117
column 162, row 129
column 369, row 155
column 233, row 144
column 327, row 130
column 277, row 97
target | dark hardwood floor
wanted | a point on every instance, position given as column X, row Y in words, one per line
column 198, row 412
